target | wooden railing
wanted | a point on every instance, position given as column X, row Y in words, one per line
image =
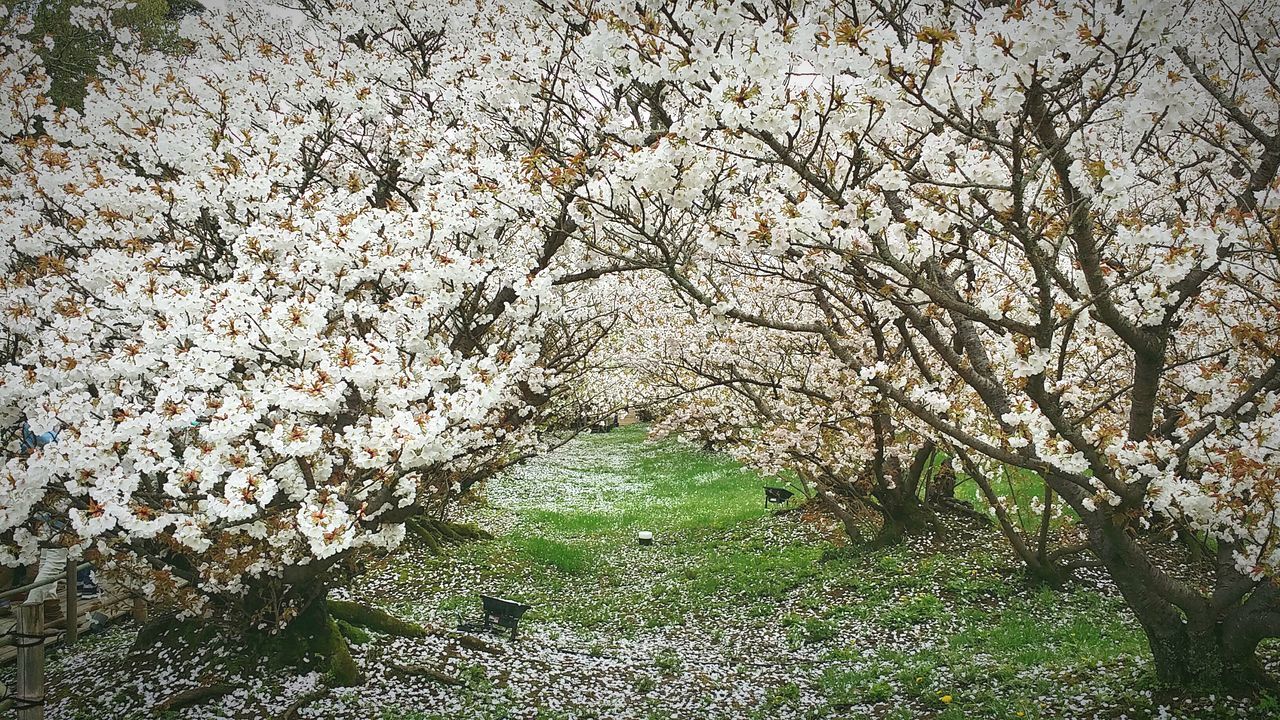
column 25, row 640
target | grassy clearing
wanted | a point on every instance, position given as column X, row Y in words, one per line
column 683, row 490
column 907, row 632
column 735, row 612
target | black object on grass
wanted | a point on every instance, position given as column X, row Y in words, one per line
column 776, row 496
column 498, row 612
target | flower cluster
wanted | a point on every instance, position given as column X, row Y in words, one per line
column 276, row 290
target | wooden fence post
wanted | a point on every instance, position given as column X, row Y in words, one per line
column 29, row 694
column 140, row 609
column 72, row 611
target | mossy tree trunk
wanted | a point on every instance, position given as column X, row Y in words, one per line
column 318, row 638
column 313, row 641
column 296, row 626
column 897, row 498
column 903, row 515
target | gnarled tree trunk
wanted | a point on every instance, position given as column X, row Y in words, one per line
column 1197, row 641
column 289, row 623
column 898, row 500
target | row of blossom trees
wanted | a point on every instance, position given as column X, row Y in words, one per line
column 1040, row 234
column 321, row 271
column 278, row 292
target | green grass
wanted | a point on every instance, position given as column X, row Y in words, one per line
column 566, row 558
column 899, row 632
column 685, row 490
column 1023, row 636
column 1019, row 487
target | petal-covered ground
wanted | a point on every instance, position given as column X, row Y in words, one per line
column 734, row 612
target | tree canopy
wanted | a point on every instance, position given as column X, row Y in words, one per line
column 293, row 278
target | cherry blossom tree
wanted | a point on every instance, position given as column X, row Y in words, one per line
column 606, row 381
column 322, row 272
column 780, row 403
column 279, row 293
column 71, row 42
column 1065, row 211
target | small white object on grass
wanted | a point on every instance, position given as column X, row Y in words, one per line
column 645, row 537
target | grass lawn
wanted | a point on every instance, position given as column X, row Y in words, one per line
column 734, row 612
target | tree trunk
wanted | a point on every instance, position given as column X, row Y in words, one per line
column 847, row 519
column 1196, row 648
column 898, row 500
column 903, row 514
column 941, row 488
column 312, row 639
column 1201, row 654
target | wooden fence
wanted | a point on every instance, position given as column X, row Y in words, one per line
column 24, row 637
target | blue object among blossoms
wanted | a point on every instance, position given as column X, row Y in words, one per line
column 31, row 441
column 85, row 584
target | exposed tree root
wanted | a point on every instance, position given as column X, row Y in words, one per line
column 317, row 639
column 438, row 533
column 326, row 646
column 291, row 712
column 474, row 643
column 329, row 643
column 371, row 618
column 192, row 696
column 424, row 671
column 355, row 635
column 959, row 508
column 356, row 618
